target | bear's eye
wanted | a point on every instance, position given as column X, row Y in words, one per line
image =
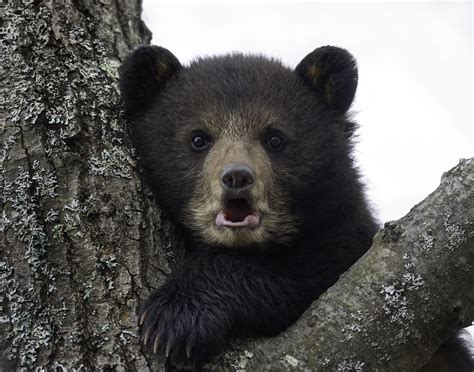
column 199, row 141
column 275, row 142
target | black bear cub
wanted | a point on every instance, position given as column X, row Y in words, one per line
column 252, row 160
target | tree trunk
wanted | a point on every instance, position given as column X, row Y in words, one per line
column 83, row 242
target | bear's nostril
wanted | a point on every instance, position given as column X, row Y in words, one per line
column 236, row 177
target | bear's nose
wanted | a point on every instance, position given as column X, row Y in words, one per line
column 237, row 177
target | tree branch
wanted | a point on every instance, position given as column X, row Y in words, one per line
column 396, row 305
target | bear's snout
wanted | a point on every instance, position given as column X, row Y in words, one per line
column 237, row 177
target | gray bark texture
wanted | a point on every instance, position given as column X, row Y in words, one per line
column 396, row 305
column 83, row 242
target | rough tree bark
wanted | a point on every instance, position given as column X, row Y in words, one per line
column 83, row 242
column 409, row 293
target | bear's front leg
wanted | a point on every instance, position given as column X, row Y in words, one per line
column 187, row 318
column 216, row 295
column 186, row 326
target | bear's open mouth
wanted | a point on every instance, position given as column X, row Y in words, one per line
column 238, row 213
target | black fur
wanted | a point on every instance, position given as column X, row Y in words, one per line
column 220, row 292
column 455, row 355
column 143, row 75
column 333, row 73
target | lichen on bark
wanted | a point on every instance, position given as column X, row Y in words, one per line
column 80, row 236
column 397, row 304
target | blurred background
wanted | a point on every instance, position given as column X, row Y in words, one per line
column 414, row 101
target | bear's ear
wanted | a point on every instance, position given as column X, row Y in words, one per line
column 332, row 73
column 142, row 75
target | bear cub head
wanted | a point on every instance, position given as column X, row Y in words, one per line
column 240, row 149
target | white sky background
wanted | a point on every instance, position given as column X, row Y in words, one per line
column 414, row 101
